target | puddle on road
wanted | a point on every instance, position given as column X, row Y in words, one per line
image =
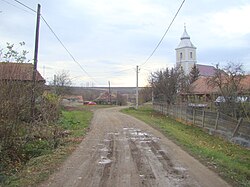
column 104, row 160
column 105, row 149
column 114, row 133
column 106, row 140
column 138, row 134
column 151, row 161
column 180, row 168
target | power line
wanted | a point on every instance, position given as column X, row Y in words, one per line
column 60, row 41
column 15, row 6
column 25, row 6
column 70, row 54
column 163, row 35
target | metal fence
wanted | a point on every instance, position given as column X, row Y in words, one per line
column 215, row 123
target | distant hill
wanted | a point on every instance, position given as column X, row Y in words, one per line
column 121, row 90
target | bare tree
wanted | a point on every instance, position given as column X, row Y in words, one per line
column 228, row 82
column 228, row 79
column 61, row 82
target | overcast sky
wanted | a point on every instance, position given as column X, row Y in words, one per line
column 110, row 37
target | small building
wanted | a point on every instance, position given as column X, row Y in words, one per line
column 16, row 88
column 18, row 72
column 106, row 98
column 201, row 89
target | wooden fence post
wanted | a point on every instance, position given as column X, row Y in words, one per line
column 194, row 116
column 216, row 121
column 237, row 127
column 203, row 118
column 186, row 114
column 181, row 116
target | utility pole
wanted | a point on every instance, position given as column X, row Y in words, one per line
column 33, row 99
column 137, row 71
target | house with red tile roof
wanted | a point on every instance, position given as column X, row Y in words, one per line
column 18, row 72
column 16, row 86
column 202, row 88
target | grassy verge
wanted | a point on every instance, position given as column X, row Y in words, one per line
column 232, row 162
column 73, row 124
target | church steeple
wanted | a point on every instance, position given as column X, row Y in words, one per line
column 185, row 53
column 185, row 34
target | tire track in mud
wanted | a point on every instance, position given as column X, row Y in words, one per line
column 144, row 170
column 110, row 161
column 125, row 152
column 154, row 166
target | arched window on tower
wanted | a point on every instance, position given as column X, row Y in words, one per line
column 191, row 55
column 181, row 56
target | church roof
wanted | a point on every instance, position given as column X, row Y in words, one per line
column 206, row 70
column 185, row 34
column 185, row 40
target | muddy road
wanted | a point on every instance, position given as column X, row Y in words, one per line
column 122, row 151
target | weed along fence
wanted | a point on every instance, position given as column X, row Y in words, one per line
column 215, row 123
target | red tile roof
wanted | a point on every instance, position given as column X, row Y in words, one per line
column 105, row 96
column 18, row 72
column 201, row 86
column 245, row 83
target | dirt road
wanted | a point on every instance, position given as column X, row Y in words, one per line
column 123, row 151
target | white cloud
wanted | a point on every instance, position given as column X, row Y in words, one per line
column 232, row 22
column 109, row 36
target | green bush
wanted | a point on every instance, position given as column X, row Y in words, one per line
column 37, row 148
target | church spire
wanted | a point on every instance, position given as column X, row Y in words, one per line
column 185, row 40
column 185, row 34
column 185, row 53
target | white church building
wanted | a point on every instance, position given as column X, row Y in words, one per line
column 186, row 57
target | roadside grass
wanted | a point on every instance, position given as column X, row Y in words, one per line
column 230, row 161
column 73, row 124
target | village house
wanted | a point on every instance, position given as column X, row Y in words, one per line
column 18, row 72
column 203, row 89
column 16, row 87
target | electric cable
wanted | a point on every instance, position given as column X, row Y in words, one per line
column 163, row 35
column 59, row 40
column 16, row 6
column 25, row 6
column 70, row 54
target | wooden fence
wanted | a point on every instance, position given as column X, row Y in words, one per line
column 215, row 123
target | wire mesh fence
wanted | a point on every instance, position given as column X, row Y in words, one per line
column 215, row 123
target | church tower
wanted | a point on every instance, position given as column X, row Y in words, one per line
column 185, row 53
